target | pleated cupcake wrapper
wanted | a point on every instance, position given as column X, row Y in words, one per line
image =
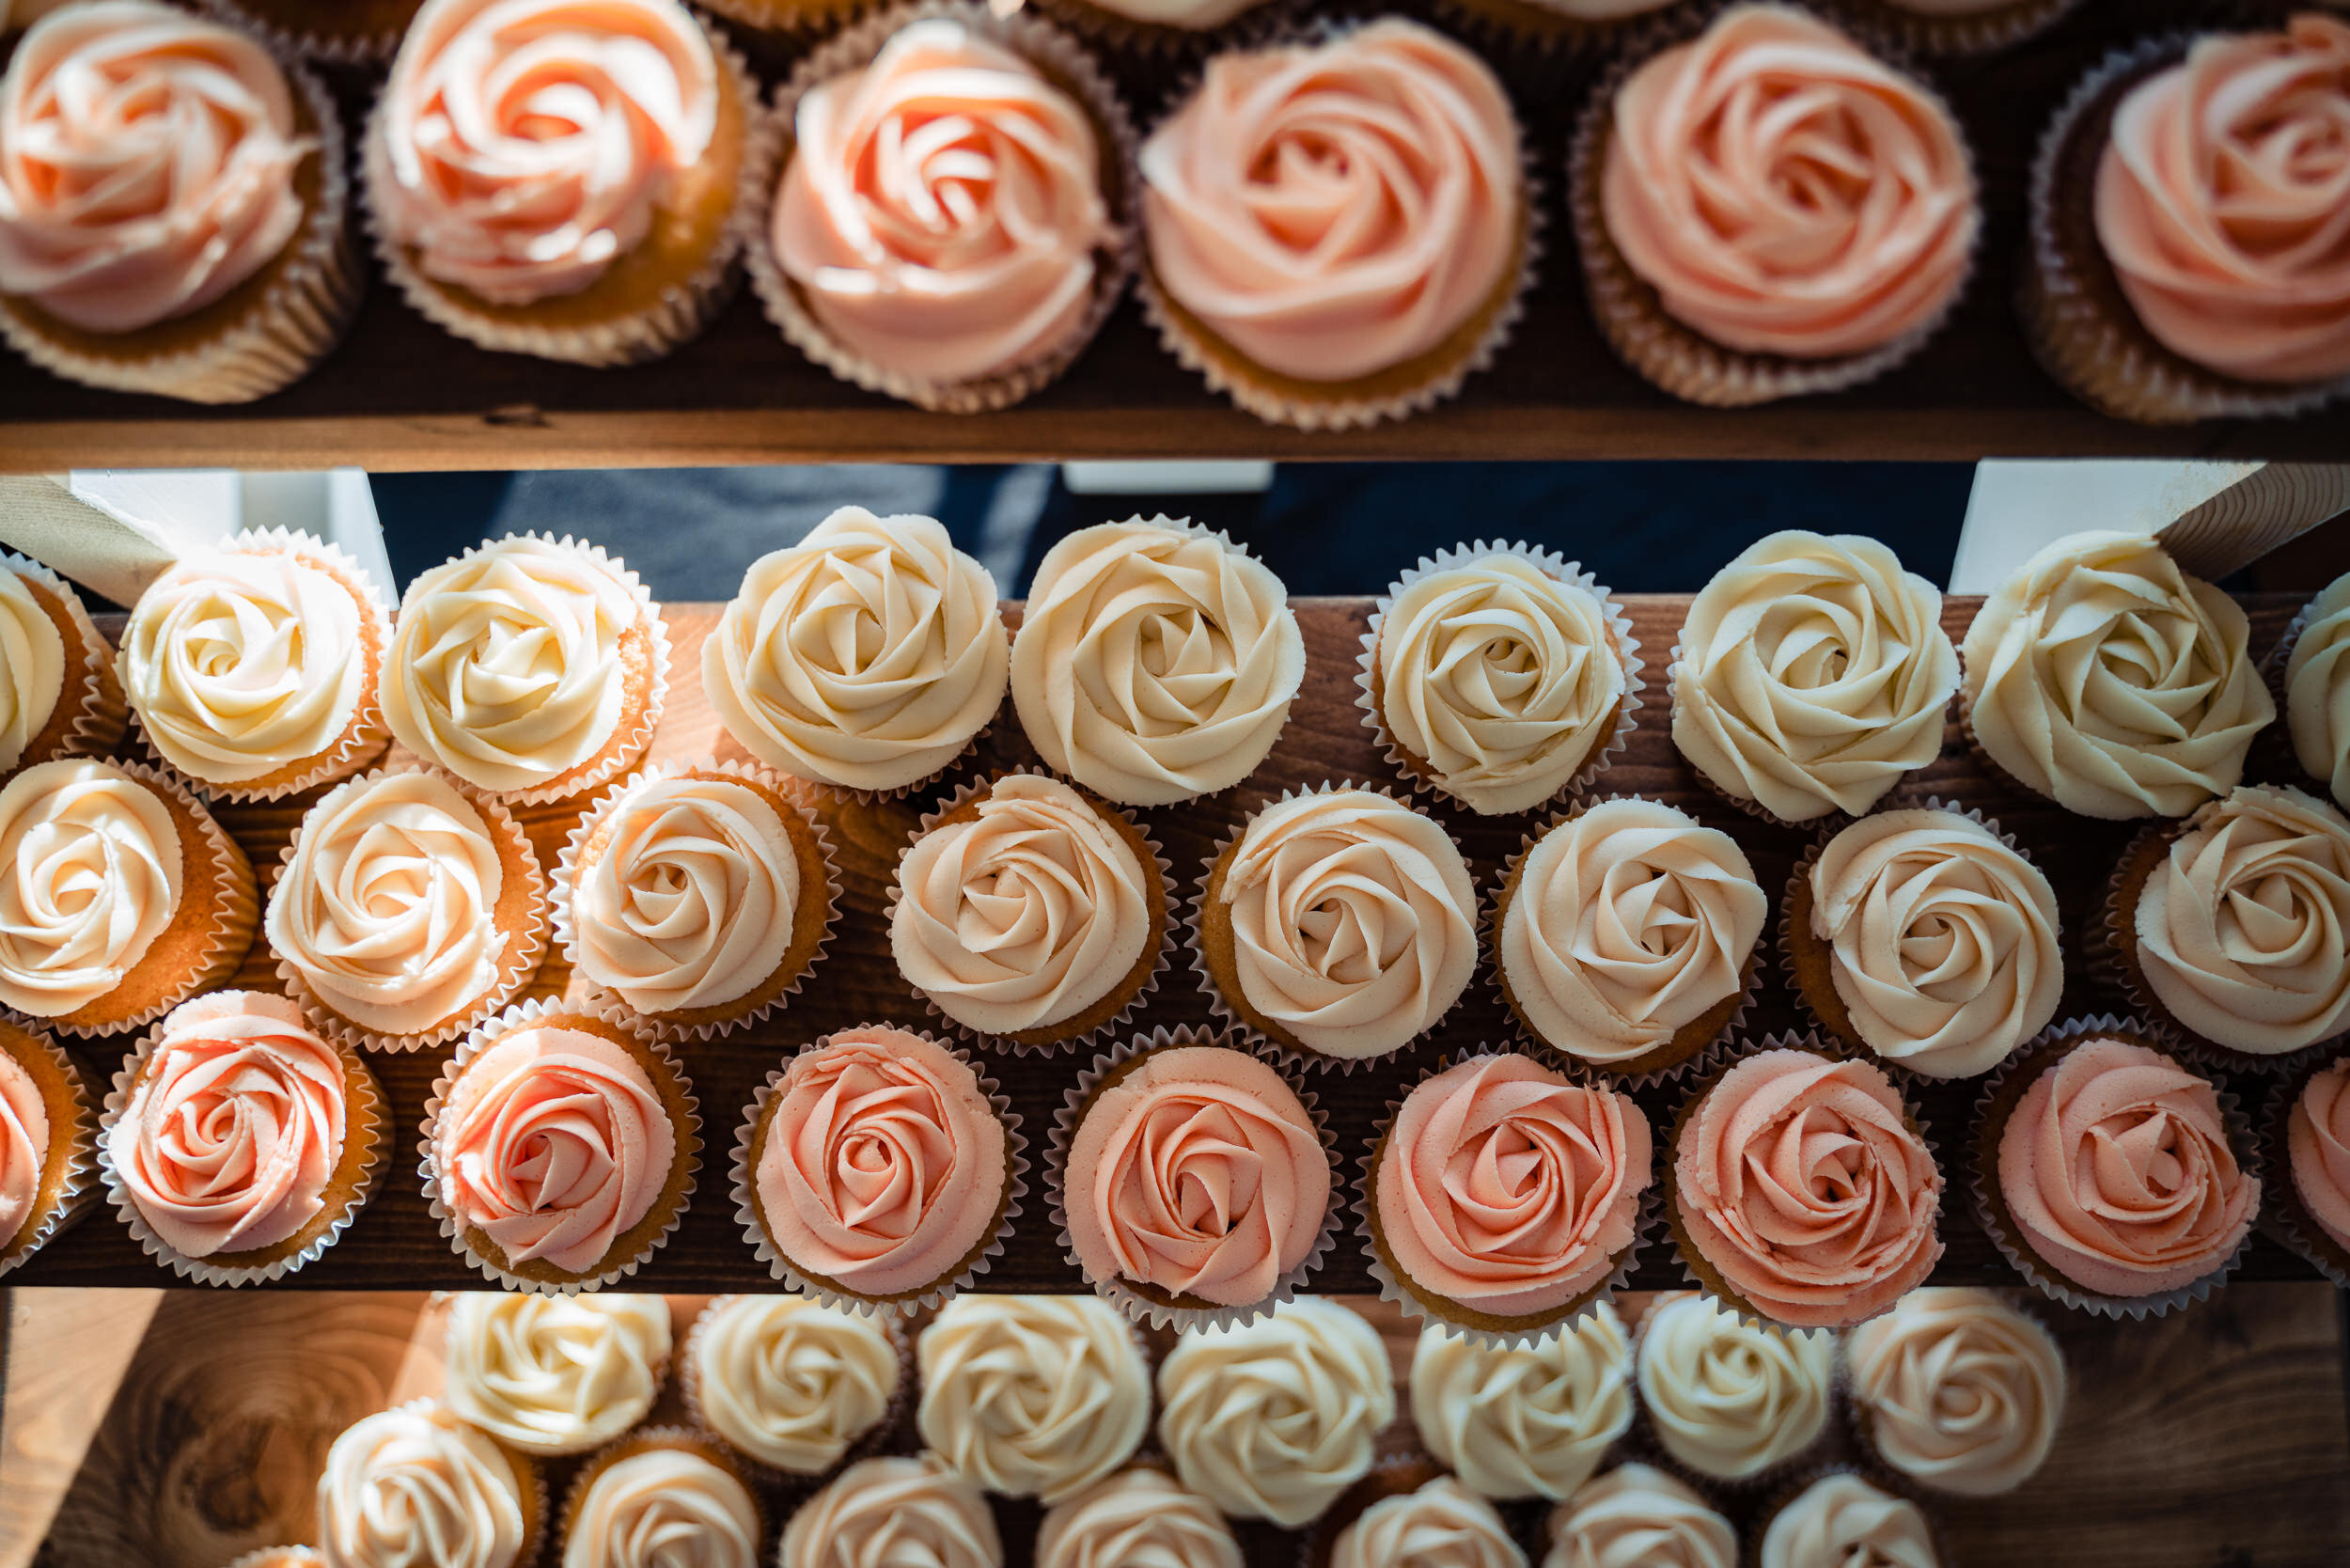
column 1097, row 1037
column 1551, row 564
column 1802, row 1478
column 2288, row 1217
column 525, row 948
column 868, row 1444
column 526, row 1016
column 1065, row 62
column 1644, row 1442
column 78, row 1183
column 566, row 920
column 743, row 1177
column 1140, row 1310
column 324, row 48
column 1890, row 25
column 699, row 1442
column 364, row 1095
column 2041, row 1055
column 101, row 716
column 1513, row 30
column 297, row 322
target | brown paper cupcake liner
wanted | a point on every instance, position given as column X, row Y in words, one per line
column 1794, row 1485
column 90, row 694
column 77, row 1176
column 701, row 1444
column 2287, row 1215
column 1647, row 1444
column 875, row 1440
column 1893, row 26
column 326, row 46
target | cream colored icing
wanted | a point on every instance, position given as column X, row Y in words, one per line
column 1814, row 673
column 1840, row 1521
column 1959, row 1390
column 1155, row 662
column 1136, row 1519
column 2317, row 690
column 555, row 1374
column 1274, row 1417
column 791, row 1382
column 2108, row 680
column 1630, row 921
column 94, row 860
column 1442, row 1524
column 894, row 1513
column 866, row 656
column 1032, row 1395
column 23, row 1147
column 664, row 1508
column 32, row 668
column 1727, row 1397
column 1530, row 1420
column 1638, row 1516
column 2317, row 1150
column 147, row 164
column 417, row 1488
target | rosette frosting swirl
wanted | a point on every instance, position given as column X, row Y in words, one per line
column 1530, row 1420
column 1156, row 660
column 94, row 860
column 1959, row 1389
column 2317, row 690
column 2110, row 681
column 1728, row 1397
column 791, row 1382
column 894, row 1513
column 554, row 1374
column 1786, row 192
column 32, row 668
column 1136, row 1519
column 1335, row 209
column 1638, row 1516
column 866, row 656
column 1814, row 673
column 417, row 1488
column 147, row 164
column 1442, row 1524
column 1032, row 1395
column 23, row 1147
column 2317, row 1147
column 1840, row 1521
column 664, row 1508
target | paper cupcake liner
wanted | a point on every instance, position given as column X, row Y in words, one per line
column 1515, row 30
column 1646, row 1444
column 1142, row 1309
column 366, row 1097
column 875, row 1440
column 101, row 717
column 1799, row 1481
column 1552, row 564
column 1894, row 27
column 699, row 1443
column 938, row 1292
column 1101, row 1034
column 565, row 923
column 2041, row 1055
column 526, row 948
column 1065, row 62
column 1154, row 44
column 795, row 19
column 2288, row 1217
column 1228, row 1016
column 523, row 1015
column 78, row 1182
column 323, row 47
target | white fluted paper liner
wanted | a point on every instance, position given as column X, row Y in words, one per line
column 365, row 1096
column 1139, row 1309
column 1068, row 66
column 867, row 1444
column 526, row 948
column 1228, row 1017
column 566, row 920
column 298, row 319
column 1899, row 29
column 939, row 1292
column 1098, row 1036
column 1983, row 1176
column 100, row 716
column 334, row 49
column 77, row 1183
column 526, row 1016
column 2288, row 1215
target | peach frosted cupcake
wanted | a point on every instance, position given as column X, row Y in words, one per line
column 342, row 32
column 2308, row 1131
column 48, row 1143
column 58, row 693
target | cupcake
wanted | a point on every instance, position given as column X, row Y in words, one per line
column 559, row 1148
column 697, row 895
column 1637, row 1514
column 2108, row 680
column 1554, row 28
column 172, row 207
column 1261, row 275
column 1957, row 28
column 865, row 658
column 1340, row 924
column 1437, row 1524
column 1957, row 1390
column 2316, row 683
column 1530, row 1420
column 659, row 1497
column 952, row 219
column 58, row 694
column 878, row 1170
column 48, row 1141
column 559, row 180
column 1092, row 676
column 1155, row 29
column 2164, row 287
column 1811, row 675
column 1499, row 676
column 1625, row 937
column 1734, row 1400
column 1925, row 937
column 1029, row 914
column 790, row 17
column 790, row 1383
column 1232, row 1420
column 1032, row 1395
column 253, row 668
column 1137, row 1516
column 1503, row 1199
column 124, row 900
column 1840, row 1519
column 1192, row 1184
column 553, row 1375
column 532, row 668
column 414, row 1484
column 1769, row 209
column 408, row 910
column 894, row 1509
column 2313, row 1204
column 280, row 1557
column 346, row 33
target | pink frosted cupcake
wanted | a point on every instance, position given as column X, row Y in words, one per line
column 2316, row 1202
column 48, row 1134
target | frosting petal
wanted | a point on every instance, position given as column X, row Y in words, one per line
column 1136, row 1519
column 791, row 1382
column 894, row 1514
column 2317, row 690
column 1840, row 1521
column 554, row 1374
column 94, row 859
column 24, row 1134
column 2317, row 1145
column 417, row 1488
column 1638, row 1516
column 1959, row 1390
column 1442, row 1524
column 1530, row 1420
column 1728, row 1397
column 664, row 1508
column 1032, row 1395
column 32, row 668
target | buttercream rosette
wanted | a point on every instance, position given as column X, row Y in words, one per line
column 279, row 1557
column 414, row 1484
column 347, row 33
column 1408, row 1514
column 1037, row 1396
column 1728, row 1397
column 2306, row 1125
column 1524, row 1421
column 1956, row 1390
column 1834, row 1516
column 48, row 1143
column 1954, row 29
column 59, row 695
column 554, row 1375
column 1639, row 1516
column 660, row 1497
column 1140, row 1516
column 2309, row 675
column 880, row 1510
column 794, row 1386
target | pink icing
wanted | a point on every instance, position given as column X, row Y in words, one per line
column 552, row 1143
column 2317, row 1136
column 883, row 1166
column 24, row 1145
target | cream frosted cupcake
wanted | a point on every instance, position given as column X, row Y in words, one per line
column 1957, row 1390
column 48, row 1143
column 1734, row 1400
column 662, row 1496
column 417, row 1486
column 1437, row 1524
column 58, row 694
column 790, row 1383
column 552, row 1375
column 1032, row 1395
column 346, row 32
column 1140, row 1515
column 1637, row 1514
column 917, row 1509
column 1530, row 1420
column 2316, row 683
column 1839, row 1519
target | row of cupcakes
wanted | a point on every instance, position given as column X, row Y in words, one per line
column 1334, row 227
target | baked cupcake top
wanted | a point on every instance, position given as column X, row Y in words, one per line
column 1787, row 193
column 96, row 857
column 894, row 1509
column 1136, row 1517
column 1958, row 1389
column 789, row 1381
column 2219, row 197
column 523, row 146
column 1629, row 922
column 1506, row 1189
column 2110, row 681
column 32, row 665
column 865, row 657
column 1942, row 940
column 1332, row 210
column 2116, row 1168
column 1840, row 1519
column 147, row 164
column 663, row 1506
column 24, row 1134
column 2244, row 927
column 1528, row 1421
column 1728, row 1397
column 2317, row 1148
column 1813, row 672
column 553, row 1374
column 1272, row 1420
column 1638, row 1516
column 2317, row 690
column 1156, row 660
column 1032, row 1395
column 415, row 1486
column 1442, row 1524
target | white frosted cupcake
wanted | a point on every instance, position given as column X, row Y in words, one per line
column 555, row 1374
column 1638, row 1516
column 58, row 693
column 894, row 1509
column 790, row 1383
column 417, row 1486
column 2316, row 683
column 1032, row 1395
column 1957, row 1390
column 1731, row 1399
column 1140, row 1516
column 1530, row 1420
